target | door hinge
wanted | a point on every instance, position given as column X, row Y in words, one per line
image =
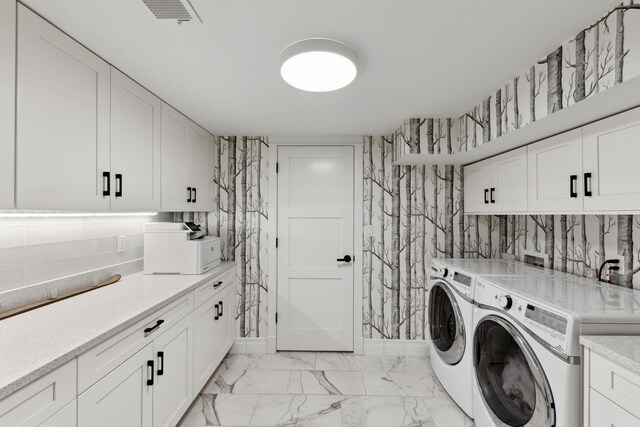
column 277, row 167
column 276, row 243
column 276, row 317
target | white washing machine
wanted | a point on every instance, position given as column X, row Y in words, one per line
column 450, row 319
column 526, row 355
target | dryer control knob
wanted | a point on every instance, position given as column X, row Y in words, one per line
column 505, row 301
column 444, row 272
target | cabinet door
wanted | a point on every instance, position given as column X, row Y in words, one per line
column 135, row 146
column 226, row 309
column 175, row 176
column 173, row 391
column 123, row 397
column 205, row 328
column 611, row 151
column 66, row 417
column 201, row 168
column 509, row 179
column 555, row 173
column 231, row 330
column 603, row 412
column 62, row 120
column 477, row 181
column 7, row 102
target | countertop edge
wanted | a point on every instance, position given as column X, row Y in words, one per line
column 16, row 384
column 593, row 343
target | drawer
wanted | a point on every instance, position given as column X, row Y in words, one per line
column 105, row 357
column 605, row 413
column 212, row 287
column 40, row 400
column 65, row 417
column 616, row 383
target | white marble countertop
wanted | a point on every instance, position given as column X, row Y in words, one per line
column 36, row 342
column 622, row 349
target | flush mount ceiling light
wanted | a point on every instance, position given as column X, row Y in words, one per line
column 318, row 65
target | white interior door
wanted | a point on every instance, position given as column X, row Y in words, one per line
column 315, row 230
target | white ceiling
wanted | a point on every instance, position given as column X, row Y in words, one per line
column 432, row 58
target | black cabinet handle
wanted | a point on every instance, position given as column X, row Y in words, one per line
column 189, row 194
column 217, row 316
column 150, row 365
column 347, row 258
column 118, row 185
column 150, row 329
column 221, row 307
column 194, row 195
column 493, row 198
column 587, row 185
column 160, row 363
column 215, row 285
column 106, row 184
column 486, row 196
column 573, row 182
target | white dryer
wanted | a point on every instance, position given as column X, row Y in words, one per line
column 450, row 319
column 526, row 353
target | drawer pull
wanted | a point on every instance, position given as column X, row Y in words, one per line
column 217, row 316
column 221, row 307
column 215, row 285
column 151, row 329
column 160, row 363
column 150, row 372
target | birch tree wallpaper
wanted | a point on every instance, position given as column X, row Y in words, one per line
column 416, row 213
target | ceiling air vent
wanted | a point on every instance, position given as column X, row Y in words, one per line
column 172, row 10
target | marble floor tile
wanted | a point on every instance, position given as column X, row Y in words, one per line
column 446, row 413
column 385, row 412
column 261, row 381
column 298, row 410
column 326, row 382
column 380, row 384
column 285, row 360
column 348, row 362
column 324, row 390
column 221, row 410
column 422, row 384
column 406, row 364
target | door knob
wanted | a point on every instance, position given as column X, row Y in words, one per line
column 347, row 258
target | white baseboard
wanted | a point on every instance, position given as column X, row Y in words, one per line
column 396, row 347
column 249, row 346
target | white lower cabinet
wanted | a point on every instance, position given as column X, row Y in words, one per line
column 213, row 331
column 611, row 393
column 124, row 397
column 66, row 417
column 38, row 401
column 173, row 388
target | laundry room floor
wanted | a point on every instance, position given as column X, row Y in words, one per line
column 324, row 389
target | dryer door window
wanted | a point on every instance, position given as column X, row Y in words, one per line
column 512, row 383
column 446, row 325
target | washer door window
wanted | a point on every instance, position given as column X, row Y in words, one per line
column 509, row 376
column 445, row 324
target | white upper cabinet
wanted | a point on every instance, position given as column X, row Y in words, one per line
column 508, row 192
column 7, row 102
column 187, row 164
column 62, row 120
column 200, row 168
column 135, row 146
column 555, row 173
column 497, row 185
column 175, row 177
column 611, row 149
column 477, row 184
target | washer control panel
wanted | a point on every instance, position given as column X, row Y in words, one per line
column 549, row 325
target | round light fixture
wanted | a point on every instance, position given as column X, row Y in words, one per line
column 318, row 65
